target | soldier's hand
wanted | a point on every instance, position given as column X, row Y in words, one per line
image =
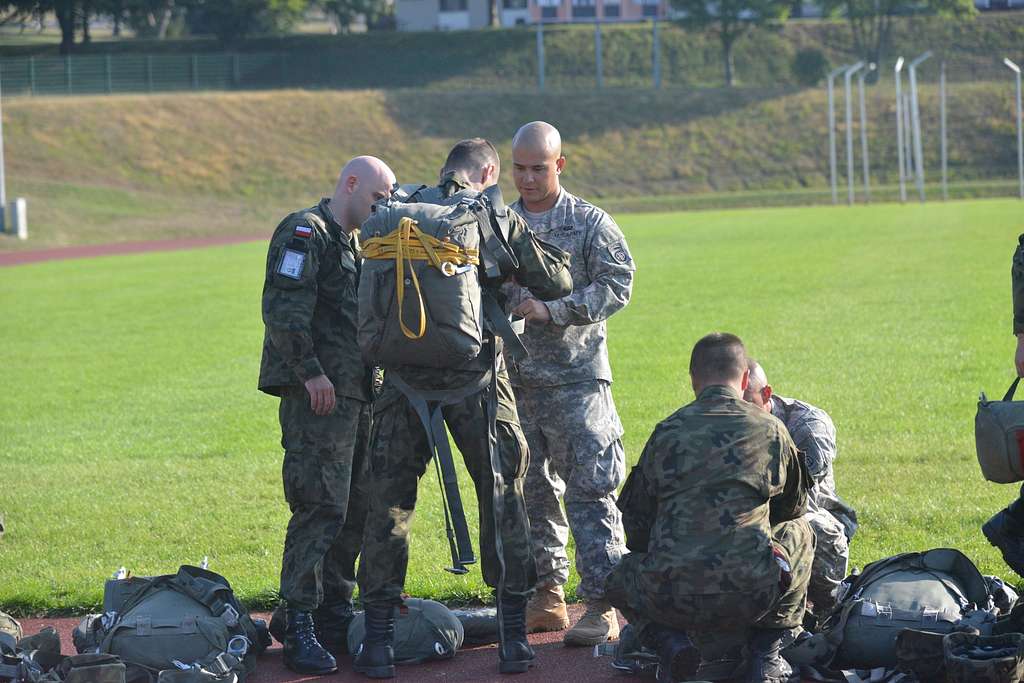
column 1018, row 358
column 321, row 394
column 533, row 311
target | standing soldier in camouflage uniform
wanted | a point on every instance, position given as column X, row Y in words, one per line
column 311, row 361
column 563, row 391
column 1006, row 529
column 713, row 513
column 401, row 451
column 834, row 522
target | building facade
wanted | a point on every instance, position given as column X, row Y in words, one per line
column 455, row 15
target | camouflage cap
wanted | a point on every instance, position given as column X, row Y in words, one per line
column 425, row 630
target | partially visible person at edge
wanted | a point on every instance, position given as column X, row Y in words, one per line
column 713, row 513
column 312, row 362
column 834, row 522
column 563, row 392
column 1006, row 528
column 401, row 451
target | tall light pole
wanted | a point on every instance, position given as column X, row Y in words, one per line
column 942, row 131
column 1020, row 135
column 864, row 133
column 899, row 125
column 847, row 75
column 915, row 114
column 832, row 133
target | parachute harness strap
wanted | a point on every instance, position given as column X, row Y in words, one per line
column 399, row 244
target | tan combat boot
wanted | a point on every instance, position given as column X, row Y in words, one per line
column 598, row 625
column 546, row 610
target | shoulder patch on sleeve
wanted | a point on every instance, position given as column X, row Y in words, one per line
column 303, row 231
column 619, row 252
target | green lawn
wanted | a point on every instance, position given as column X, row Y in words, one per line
column 133, row 433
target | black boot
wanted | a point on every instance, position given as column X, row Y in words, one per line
column 332, row 621
column 376, row 656
column 278, row 623
column 678, row 657
column 764, row 660
column 516, row 655
column 1006, row 533
column 303, row 653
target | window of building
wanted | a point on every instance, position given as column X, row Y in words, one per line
column 454, row 5
column 549, row 12
column 651, row 11
column 514, row 4
column 584, row 9
column 613, row 11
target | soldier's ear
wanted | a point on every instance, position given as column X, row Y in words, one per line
column 560, row 164
column 745, row 380
column 766, row 393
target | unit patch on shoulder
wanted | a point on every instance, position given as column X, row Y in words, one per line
column 618, row 252
column 303, row 231
column 291, row 264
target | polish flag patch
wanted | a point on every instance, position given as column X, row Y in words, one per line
column 303, row 231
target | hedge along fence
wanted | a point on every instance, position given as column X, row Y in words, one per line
column 509, row 60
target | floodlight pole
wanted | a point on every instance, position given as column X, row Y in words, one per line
column 908, row 149
column 1020, row 134
column 942, row 131
column 864, row 134
column 832, row 133
column 899, row 126
column 915, row 113
column 847, row 76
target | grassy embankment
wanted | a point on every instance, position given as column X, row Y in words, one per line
column 140, row 167
column 134, row 434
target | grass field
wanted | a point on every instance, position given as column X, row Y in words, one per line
column 133, row 433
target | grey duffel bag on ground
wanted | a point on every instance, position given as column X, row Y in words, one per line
column 424, row 630
column 999, row 437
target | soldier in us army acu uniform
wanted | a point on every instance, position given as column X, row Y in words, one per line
column 713, row 513
column 401, row 451
column 563, row 391
column 1006, row 528
column 834, row 522
column 312, row 362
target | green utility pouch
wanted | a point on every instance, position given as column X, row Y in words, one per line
column 999, row 437
column 424, row 631
column 984, row 659
column 92, row 668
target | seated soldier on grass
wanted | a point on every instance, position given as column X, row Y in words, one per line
column 713, row 513
column 832, row 519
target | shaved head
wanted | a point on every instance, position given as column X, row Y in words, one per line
column 537, row 162
column 758, row 391
column 538, row 136
column 362, row 181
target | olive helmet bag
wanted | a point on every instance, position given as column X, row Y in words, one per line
column 999, row 437
column 425, row 630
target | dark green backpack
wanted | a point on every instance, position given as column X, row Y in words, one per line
column 185, row 621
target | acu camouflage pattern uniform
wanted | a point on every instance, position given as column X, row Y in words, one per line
column 563, row 392
column 311, row 330
column 1016, row 509
column 718, row 490
column 834, row 522
column 400, row 451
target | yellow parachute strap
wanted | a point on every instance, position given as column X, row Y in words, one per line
column 399, row 245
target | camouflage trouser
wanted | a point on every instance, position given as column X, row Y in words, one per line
column 399, row 457
column 575, row 454
column 711, row 616
column 324, row 476
column 831, row 559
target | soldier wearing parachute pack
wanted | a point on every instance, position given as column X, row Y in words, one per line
column 430, row 313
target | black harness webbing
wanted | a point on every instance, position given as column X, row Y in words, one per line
column 428, row 406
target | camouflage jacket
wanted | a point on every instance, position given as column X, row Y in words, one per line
column 572, row 347
column 310, row 306
column 713, row 479
column 1017, row 278
column 542, row 268
column 815, row 436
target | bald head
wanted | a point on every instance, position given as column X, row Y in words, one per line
column 758, row 391
column 362, row 181
column 537, row 162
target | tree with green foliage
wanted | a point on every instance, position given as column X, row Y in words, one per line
column 871, row 20
column 730, row 20
column 231, row 20
column 377, row 13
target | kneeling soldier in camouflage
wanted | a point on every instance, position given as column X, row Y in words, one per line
column 311, row 360
column 713, row 516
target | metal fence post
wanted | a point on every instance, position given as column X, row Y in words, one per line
column 110, row 80
column 195, row 72
column 1020, row 123
column 898, row 77
column 865, row 164
column 236, row 73
column 655, row 55
column 3, row 176
column 847, row 76
column 67, row 73
column 31, row 75
column 832, row 133
column 598, row 62
column 540, row 56
column 908, row 152
column 942, row 129
column 149, row 73
column 915, row 114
